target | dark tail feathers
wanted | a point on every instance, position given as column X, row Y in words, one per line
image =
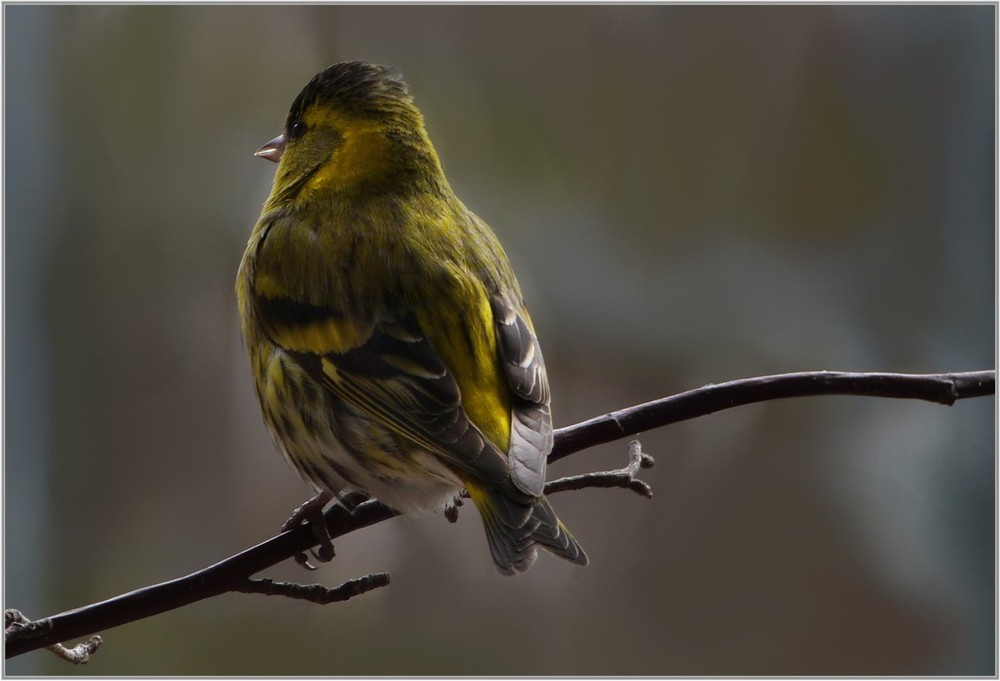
column 513, row 528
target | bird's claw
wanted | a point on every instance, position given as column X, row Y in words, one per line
column 451, row 509
column 311, row 512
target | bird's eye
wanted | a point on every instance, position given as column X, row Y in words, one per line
column 296, row 130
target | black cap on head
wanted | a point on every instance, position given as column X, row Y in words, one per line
column 356, row 88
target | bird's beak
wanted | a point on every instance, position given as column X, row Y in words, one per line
column 273, row 150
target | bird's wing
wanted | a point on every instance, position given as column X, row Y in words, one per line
column 406, row 370
column 531, row 418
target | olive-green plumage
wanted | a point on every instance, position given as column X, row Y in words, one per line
column 390, row 347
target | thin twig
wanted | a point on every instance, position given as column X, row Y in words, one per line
column 17, row 625
column 316, row 593
column 78, row 654
column 623, row 477
column 233, row 572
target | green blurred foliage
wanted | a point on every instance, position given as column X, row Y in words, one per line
column 690, row 194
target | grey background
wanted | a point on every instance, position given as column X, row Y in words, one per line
column 689, row 195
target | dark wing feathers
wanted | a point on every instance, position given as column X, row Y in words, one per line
column 408, row 387
column 396, row 377
column 522, row 358
column 531, row 420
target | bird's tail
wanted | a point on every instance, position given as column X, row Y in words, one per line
column 515, row 527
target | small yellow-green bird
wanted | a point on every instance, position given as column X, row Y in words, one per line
column 391, row 350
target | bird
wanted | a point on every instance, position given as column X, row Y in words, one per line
column 391, row 350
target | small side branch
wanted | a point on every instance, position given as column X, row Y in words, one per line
column 78, row 654
column 316, row 593
column 17, row 625
column 623, row 477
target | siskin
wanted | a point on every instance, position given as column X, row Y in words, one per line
column 391, row 350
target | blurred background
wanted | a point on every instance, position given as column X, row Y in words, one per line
column 689, row 195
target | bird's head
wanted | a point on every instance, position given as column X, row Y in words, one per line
column 353, row 127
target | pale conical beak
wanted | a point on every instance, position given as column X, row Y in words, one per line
column 273, row 150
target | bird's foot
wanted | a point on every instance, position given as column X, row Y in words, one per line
column 451, row 509
column 351, row 500
column 312, row 512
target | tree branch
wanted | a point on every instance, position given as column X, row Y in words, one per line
column 233, row 574
column 940, row 388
